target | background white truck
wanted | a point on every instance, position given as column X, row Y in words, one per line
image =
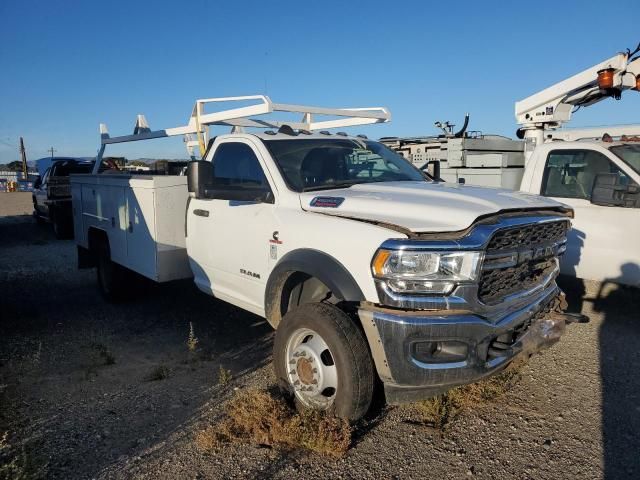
column 595, row 170
column 368, row 269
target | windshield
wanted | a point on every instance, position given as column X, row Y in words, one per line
column 630, row 154
column 64, row 169
column 319, row 164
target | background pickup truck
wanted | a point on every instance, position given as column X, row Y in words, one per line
column 52, row 194
column 368, row 269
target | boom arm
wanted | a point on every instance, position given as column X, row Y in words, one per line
column 553, row 106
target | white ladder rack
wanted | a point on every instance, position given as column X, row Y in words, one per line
column 244, row 117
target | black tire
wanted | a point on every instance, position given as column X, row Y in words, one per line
column 62, row 227
column 36, row 214
column 113, row 279
column 39, row 220
column 348, row 349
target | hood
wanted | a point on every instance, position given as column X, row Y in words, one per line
column 420, row 206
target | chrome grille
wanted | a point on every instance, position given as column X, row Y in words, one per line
column 520, row 258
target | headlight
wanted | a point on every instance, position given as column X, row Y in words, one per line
column 409, row 271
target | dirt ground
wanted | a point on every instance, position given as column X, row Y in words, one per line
column 92, row 390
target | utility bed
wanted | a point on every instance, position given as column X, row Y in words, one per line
column 143, row 217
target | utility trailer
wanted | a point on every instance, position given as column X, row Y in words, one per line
column 369, row 269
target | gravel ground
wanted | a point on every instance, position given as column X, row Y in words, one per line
column 92, row 390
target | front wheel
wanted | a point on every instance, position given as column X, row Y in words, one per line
column 322, row 360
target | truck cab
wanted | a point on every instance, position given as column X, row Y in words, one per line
column 600, row 181
column 447, row 282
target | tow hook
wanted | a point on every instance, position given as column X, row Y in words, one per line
column 571, row 317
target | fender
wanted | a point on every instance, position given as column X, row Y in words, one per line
column 316, row 264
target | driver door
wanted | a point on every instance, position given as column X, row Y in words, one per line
column 230, row 238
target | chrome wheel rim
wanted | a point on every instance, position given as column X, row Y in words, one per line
column 311, row 369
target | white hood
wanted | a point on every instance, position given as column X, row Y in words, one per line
column 423, row 206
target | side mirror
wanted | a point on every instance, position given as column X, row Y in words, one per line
column 199, row 176
column 608, row 191
column 37, row 182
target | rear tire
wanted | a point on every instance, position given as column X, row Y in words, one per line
column 62, row 227
column 113, row 279
column 36, row 214
column 322, row 360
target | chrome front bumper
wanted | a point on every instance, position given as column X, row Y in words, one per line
column 394, row 336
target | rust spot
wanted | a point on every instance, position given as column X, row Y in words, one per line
column 305, row 371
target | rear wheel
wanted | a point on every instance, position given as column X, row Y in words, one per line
column 36, row 214
column 322, row 360
column 62, row 227
column 112, row 278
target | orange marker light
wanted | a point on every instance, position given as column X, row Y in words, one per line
column 605, row 78
column 637, row 83
column 378, row 262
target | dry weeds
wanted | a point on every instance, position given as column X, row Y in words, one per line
column 441, row 410
column 259, row 417
column 158, row 373
column 192, row 340
column 224, row 376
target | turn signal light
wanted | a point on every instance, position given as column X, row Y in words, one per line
column 605, row 78
column 378, row 262
column 637, row 89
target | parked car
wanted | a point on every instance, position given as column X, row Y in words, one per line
column 52, row 194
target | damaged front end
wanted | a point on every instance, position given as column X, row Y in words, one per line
column 425, row 345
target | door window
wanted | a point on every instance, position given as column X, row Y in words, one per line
column 235, row 164
column 45, row 177
column 572, row 173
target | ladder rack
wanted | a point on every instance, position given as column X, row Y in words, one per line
column 243, row 117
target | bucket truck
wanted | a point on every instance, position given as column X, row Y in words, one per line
column 595, row 170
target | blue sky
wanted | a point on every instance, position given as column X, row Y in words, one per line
column 67, row 65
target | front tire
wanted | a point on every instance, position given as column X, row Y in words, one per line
column 322, row 360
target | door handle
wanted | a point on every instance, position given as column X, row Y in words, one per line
column 201, row 213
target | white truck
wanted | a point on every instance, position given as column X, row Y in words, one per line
column 368, row 269
column 596, row 171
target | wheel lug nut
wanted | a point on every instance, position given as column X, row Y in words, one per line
column 292, row 362
column 292, row 372
column 315, row 370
